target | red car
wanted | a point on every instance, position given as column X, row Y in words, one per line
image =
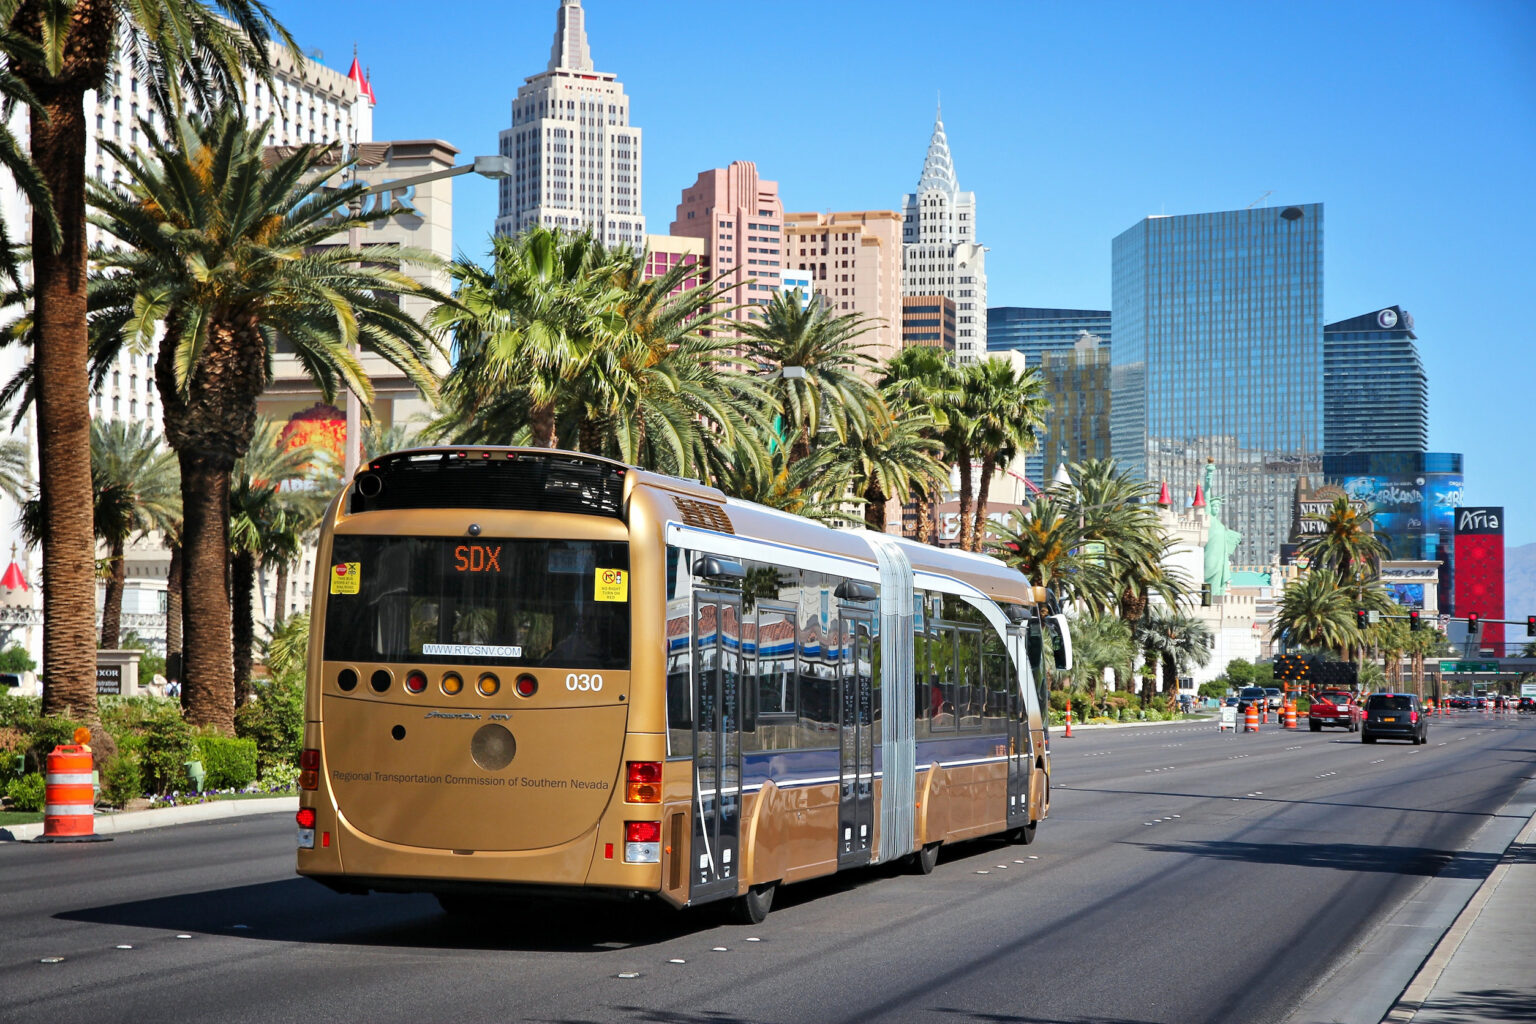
column 1333, row 707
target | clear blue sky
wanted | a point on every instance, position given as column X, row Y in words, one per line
column 1414, row 123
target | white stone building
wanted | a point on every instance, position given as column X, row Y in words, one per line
column 940, row 254
column 575, row 154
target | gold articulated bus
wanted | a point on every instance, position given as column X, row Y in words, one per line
column 534, row 671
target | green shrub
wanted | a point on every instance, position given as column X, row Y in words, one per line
column 121, row 780
column 18, row 712
column 280, row 777
column 165, row 746
column 228, row 763
column 26, row 793
column 44, row 735
column 274, row 719
column 150, row 663
column 16, row 660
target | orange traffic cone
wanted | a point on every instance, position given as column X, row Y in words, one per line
column 1068, row 733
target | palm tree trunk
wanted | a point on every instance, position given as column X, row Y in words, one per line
column 112, row 601
column 979, row 525
column 208, row 684
column 589, row 434
column 965, row 500
column 173, row 606
column 61, row 391
column 874, row 508
column 242, row 583
column 280, row 602
column 541, row 420
column 925, row 503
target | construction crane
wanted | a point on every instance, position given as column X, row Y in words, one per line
column 1261, row 198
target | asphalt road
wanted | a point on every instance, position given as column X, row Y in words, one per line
column 1183, row 876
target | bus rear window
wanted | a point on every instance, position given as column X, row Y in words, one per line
column 562, row 603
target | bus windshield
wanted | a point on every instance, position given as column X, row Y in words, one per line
column 510, row 601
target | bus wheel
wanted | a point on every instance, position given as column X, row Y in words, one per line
column 924, row 860
column 754, row 906
column 1024, row 834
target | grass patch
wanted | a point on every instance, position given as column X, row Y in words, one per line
column 20, row 817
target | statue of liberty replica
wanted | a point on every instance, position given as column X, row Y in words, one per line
column 1222, row 541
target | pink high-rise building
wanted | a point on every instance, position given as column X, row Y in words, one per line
column 740, row 219
column 855, row 262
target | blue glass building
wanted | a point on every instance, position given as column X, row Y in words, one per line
column 1218, row 353
column 1035, row 331
column 1375, row 392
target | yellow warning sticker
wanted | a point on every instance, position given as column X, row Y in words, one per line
column 611, row 585
column 346, row 577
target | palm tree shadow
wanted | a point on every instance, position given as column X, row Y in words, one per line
column 299, row 910
column 1355, row 857
column 1483, row 1005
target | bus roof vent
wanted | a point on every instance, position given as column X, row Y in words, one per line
column 474, row 478
column 704, row 515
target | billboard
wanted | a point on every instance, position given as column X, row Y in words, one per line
column 1479, row 584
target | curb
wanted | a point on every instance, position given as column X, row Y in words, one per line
column 1412, row 1000
column 134, row 821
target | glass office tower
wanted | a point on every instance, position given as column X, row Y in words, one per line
column 1218, row 353
column 1375, row 392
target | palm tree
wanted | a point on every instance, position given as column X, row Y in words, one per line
column 137, row 488
column 1177, row 639
column 1118, row 517
column 226, row 254
column 1003, row 409
column 924, row 381
column 1044, row 541
column 521, row 331
column 1315, row 612
column 13, row 154
column 895, row 457
column 61, row 49
column 832, row 389
column 815, row 487
column 268, row 519
column 1347, row 544
column 15, row 470
column 1100, row 642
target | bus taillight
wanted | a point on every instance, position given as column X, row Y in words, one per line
column 644, row 778
column 527, row 685
column 309, row 769
column 416, row 681
column 642, row 842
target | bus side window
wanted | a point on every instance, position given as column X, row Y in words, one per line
column 680, row 685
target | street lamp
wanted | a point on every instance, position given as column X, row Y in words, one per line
column 493, row 167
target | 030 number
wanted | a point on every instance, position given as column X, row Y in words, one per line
column 584, row 681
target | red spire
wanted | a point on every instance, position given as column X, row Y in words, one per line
column 373, row 100
column 1163, row 497
column 14, row 578
column 355, row 73
column 1199, row 501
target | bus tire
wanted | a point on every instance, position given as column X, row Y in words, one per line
column 923, row 860
column 1023, row 835
column 753, row 907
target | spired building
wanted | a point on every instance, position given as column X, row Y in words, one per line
column 1218, row 352
column 940, row 255
column 1375, row 393
column 576, row 158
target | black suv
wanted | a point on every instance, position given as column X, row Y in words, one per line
column 1396, row 715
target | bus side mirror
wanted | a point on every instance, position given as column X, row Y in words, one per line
column 1062, row 645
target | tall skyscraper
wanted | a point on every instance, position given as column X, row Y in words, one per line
column 1218, row 352
column 576, row 157
column 1035, row 331
column 940, row 255
column 1077, row 422
column 855, row 262
column 740, row 219
column 1375, row 392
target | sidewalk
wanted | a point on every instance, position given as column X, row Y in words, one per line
column 1484, row 969
column 133, row 821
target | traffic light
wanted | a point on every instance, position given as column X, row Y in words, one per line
column 1530, row 625
column 1362, row 617
column 1413, row 618
column 1472, row 623
column 1205, row 598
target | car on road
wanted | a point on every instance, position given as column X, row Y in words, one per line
column 1335, row 708
column 1396, row 716
column 1276, row 698
column 1526, row 705
column 1255, row 695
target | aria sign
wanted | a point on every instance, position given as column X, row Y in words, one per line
column 1480, row 520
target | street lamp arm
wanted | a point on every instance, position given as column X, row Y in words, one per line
column 485, row 166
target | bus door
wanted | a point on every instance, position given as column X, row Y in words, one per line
column 856, row 742
column 716, row 746
column 1020, row 752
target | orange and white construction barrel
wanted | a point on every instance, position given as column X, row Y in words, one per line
column 70, row 797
